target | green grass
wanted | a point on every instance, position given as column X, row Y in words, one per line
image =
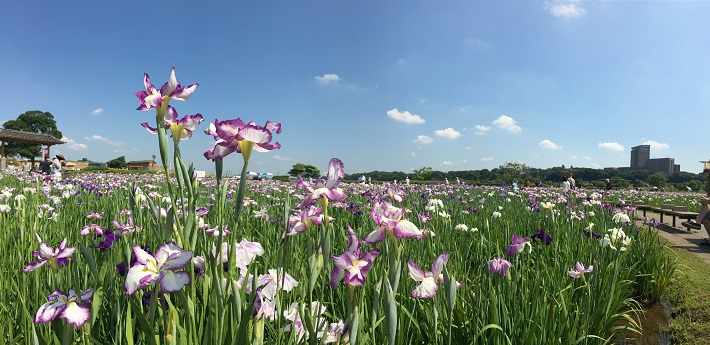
column 689, row 297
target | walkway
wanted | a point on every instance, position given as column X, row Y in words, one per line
column 679, row 237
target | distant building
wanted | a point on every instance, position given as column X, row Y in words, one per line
column 641, row 160
column 141, row 165
column 639, row 155
column 661, row 165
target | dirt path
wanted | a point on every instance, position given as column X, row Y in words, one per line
column 679, row 237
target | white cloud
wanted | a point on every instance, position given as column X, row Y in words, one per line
column 73, row 145
column 423, row 139
column 414, row 154
column 405, row 117
column 107, row 141
column 507, row 123
column 327, row 79
column 481, row 130
column 465, row 161
column 587, row 158
column 447, row 163
column 546, row 144
column 448, row 133
column 573, row 157
column 97, row 111
column 656, row 145
column 486, row 159
column 570, row 9
column 279, row 158
column 122, row 151
column 613, row 146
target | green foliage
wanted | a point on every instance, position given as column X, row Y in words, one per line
column 657, row 180
column 304, row 170
column 282, row 178
column 423, row 174
column 34, row 121
column 689, row 295
column 117, row 163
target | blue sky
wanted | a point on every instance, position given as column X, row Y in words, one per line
column 382, row 85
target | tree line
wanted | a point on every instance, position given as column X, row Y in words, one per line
column 520, row 173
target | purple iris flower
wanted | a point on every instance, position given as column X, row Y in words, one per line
column 517, row 245
column 428, row 286
column 235, row 135
column 56, row 257
column 592, row 234
column 352, row 264
column 181, row 129
column 161, row 268
column 324, row 190
column 72, row 307
column 542, row 237
column 498, row 265
column 108, row 241
column 153, row 98
column 389, row 218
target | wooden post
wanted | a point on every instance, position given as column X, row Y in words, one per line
column 3, row 163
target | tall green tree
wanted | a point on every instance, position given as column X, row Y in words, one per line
column 304, row 170
column 117, row 163
column 34, row 121
column 423, row 174
column 657, row 180
column 513, row 171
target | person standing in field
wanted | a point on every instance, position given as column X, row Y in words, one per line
column 565, row 185
column 46, row 165
column 56, row 168
column 570, row 179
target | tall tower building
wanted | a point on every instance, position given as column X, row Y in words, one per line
column 639, row 155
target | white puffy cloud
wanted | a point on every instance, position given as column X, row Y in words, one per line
column 73, row 145
column 405, row 117
column 486, row 159
column 414, row 154
column 481, row 130
column 568, row 9
column 280, row 158
column 97, row 111
column 507, row 123
column 656, row 145
column 423, row 139
column 327, row 79
column 612, row 146
column 448, row 133
column 107, row 141
column 549, row 145
column 447, row 163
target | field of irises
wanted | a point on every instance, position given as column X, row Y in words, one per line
column 105, row 258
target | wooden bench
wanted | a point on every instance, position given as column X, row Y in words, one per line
column 667, row 210
column 640, row 206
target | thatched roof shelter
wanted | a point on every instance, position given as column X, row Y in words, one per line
column 12, row 135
